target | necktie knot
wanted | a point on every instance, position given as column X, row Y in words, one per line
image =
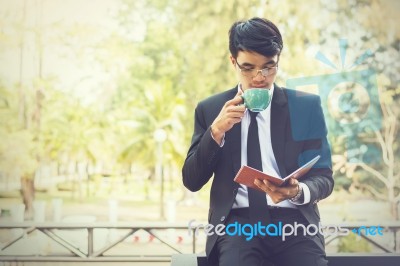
column 253, row 115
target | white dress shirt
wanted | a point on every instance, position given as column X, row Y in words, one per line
column 267, row 157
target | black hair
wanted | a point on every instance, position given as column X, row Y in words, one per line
column 255, row 35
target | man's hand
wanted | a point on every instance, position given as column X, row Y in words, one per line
column 277, row 193
column 230, row 114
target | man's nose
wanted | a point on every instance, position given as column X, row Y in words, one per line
column 259, row 76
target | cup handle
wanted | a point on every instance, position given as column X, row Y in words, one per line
column 241, row 96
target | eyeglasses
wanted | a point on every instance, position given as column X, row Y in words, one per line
column 252, row 72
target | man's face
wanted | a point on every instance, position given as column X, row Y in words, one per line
column 247, row 66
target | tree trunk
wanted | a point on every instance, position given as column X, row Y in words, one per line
column 28, row 195
column 394, row 210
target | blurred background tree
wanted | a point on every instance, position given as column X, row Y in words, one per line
column 87, row 91
column 370, row 167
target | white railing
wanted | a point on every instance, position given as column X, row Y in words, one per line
column 68, row 242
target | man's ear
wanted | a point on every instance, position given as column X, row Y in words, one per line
column 233, row 60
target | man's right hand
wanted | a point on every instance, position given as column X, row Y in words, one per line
column 231, row 113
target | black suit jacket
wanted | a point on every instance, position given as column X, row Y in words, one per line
column 298, row 133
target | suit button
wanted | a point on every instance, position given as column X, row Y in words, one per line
column 222, row 218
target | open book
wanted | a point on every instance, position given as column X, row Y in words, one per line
column 247, row 175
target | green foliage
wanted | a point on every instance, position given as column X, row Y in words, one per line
column 353, row 243
column 17, row 149
column 164, row 57
column 184, row 51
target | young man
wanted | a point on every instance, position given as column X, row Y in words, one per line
column 277, row 140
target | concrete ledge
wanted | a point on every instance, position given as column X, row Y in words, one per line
column 343, row 259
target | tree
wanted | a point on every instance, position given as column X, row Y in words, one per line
column 17, row 147
column 374, row 171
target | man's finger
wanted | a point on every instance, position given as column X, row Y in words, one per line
column 260, row 184
column 236, row 100
column 236, row 108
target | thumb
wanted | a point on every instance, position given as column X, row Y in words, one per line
column 293, row 182
column 238, row 98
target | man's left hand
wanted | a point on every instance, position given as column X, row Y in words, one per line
column 278, row 193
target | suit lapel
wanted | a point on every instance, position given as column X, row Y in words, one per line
column 279, row 116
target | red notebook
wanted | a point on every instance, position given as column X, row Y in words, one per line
column 247, row 175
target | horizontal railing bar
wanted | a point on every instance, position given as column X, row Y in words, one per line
column 158, row 225
column 94, row 256
column 52, row 225
column 166, row 258
column 362, row 254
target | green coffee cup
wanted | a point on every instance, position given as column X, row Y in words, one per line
column 256, row 99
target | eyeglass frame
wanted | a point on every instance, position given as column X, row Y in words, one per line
column 267, row 70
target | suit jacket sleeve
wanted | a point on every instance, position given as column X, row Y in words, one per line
column 203, row 153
